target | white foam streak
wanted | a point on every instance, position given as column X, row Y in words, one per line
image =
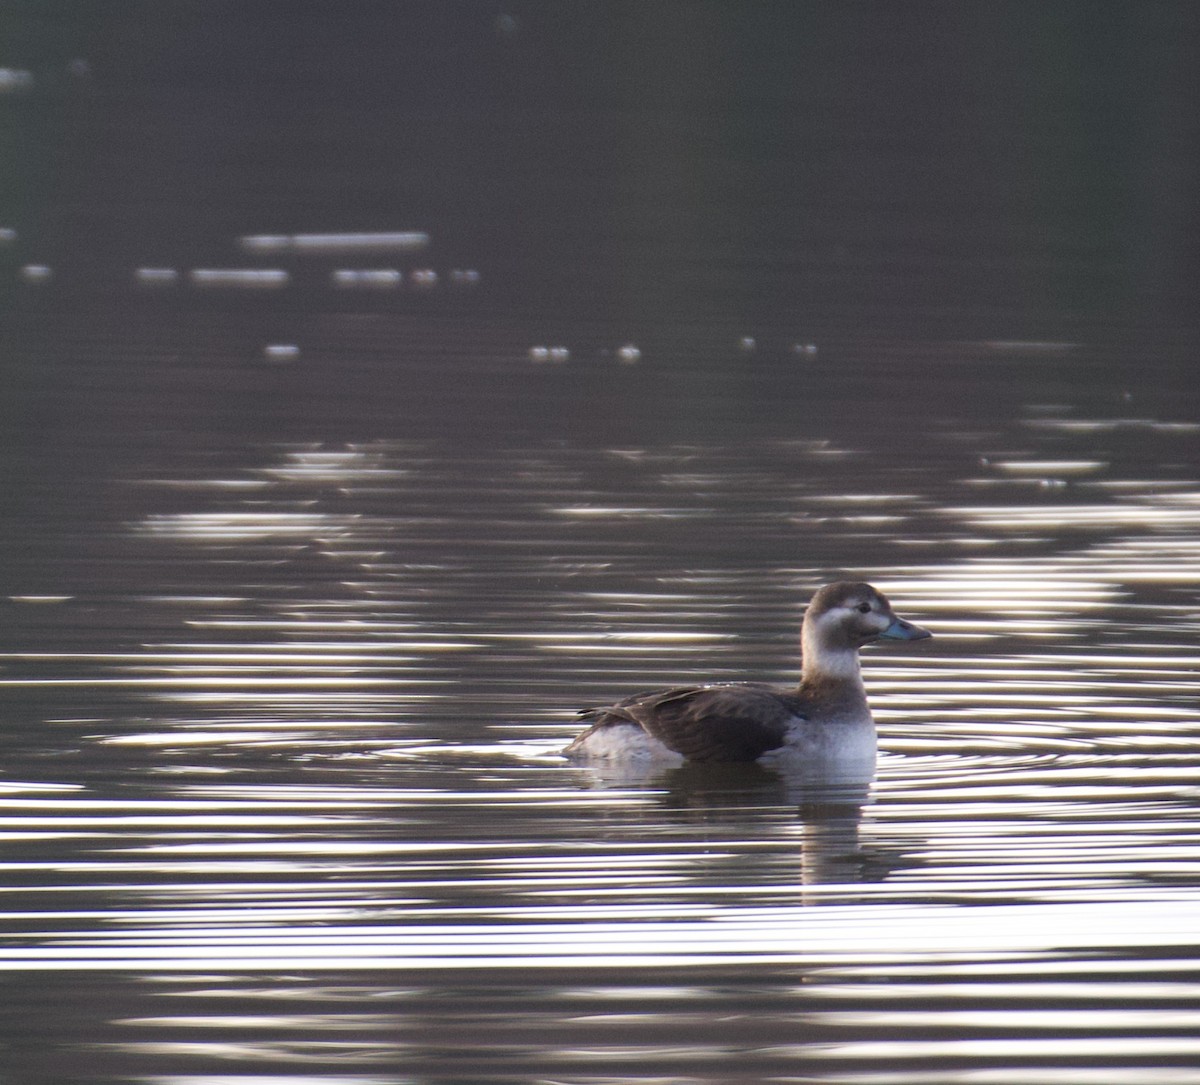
column 396, row 241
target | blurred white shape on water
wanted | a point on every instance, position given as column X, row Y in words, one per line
column 403, row 241
column 281, row 352
column 243, row 278
column 225, row 527
column 13, row 80
column 37, row 273
column 156, row 276
column 1056, row 467
column 549, row 354
column 383, row 278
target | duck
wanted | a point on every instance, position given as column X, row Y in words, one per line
column 824, row 722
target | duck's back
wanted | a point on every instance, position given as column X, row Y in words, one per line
column 722, row 722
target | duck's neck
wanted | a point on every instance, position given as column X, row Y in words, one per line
column 833, row 675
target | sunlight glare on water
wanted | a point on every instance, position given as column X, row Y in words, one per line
column 1038, row 763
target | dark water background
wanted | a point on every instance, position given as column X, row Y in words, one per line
column 292, row 636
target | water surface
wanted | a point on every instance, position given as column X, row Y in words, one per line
column 302, row 587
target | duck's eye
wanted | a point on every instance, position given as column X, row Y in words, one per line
column 864, row 608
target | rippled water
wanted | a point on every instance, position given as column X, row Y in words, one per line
column 305, row 569
column 282, row 792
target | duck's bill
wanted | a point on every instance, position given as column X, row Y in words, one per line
column 902, row 630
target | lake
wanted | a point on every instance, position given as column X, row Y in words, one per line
column 381, row 389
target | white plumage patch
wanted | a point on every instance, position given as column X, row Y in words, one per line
column 623, row 742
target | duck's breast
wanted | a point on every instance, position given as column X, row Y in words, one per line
column 839, row 748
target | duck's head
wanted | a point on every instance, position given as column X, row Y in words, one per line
column 850, row 614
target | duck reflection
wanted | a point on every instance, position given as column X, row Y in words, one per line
column 737, row 799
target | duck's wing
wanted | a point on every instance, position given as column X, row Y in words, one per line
column 712, row 723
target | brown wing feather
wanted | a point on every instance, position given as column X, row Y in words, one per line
column 713, row 723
